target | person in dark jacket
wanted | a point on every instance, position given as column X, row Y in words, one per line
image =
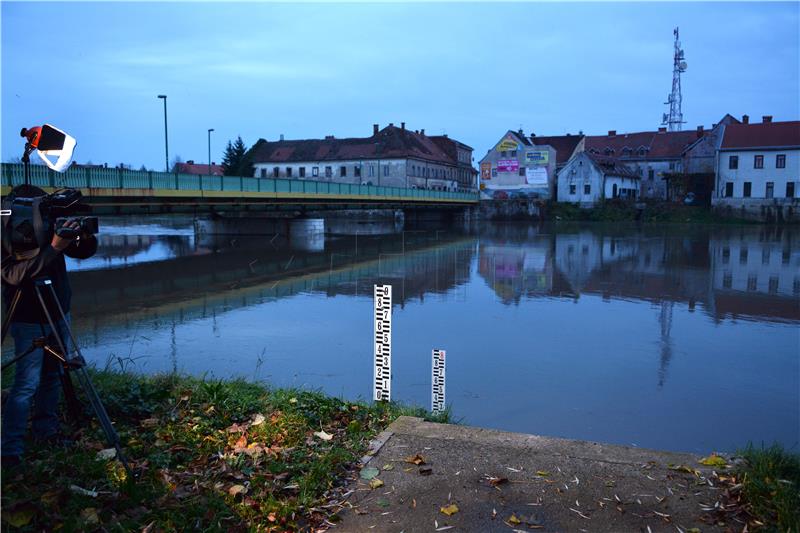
column 37, row 377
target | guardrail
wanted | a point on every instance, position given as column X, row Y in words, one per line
column 115, row 178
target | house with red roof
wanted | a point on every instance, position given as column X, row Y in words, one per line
column 758, row 170
column 516, row 167
column 392, row 156
column 588, row 178
column 190, row 167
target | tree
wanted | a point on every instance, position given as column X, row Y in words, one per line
column 233, row 161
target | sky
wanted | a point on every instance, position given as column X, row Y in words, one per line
column 471, row 70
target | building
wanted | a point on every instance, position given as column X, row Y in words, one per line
column 190, row 167
column 516, row 167
column 652, row 155
column 758, row 170
column 466, row 175
column 564, row 145
column 588, row 178
column 392, row 156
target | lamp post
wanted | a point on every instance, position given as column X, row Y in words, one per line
column 209, row 150
column 166, row 138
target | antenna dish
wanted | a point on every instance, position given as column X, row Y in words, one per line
column 683, row 65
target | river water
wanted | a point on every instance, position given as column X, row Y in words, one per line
column 673, row 337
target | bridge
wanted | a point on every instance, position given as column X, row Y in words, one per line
column 123, row 191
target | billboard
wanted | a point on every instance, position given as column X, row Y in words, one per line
column 536, row 176
column 507, row 165
column 486, row 171
column 508, row 143
column 537, row 157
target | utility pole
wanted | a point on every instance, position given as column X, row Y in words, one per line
column 166, row 138
column 209, row 150
column 674, row 118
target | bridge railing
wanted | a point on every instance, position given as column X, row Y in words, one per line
column 115, row 178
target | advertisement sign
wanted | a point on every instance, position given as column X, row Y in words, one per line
column 486, row 171
column 536, row 176
column 508, row 143
column 383, row 343
column 537, row 157
column 508, row 165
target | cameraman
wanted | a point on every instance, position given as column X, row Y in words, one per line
column 37, row 376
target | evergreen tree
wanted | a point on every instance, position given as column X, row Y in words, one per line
column 233, row 160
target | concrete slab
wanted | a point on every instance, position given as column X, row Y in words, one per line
column 545, row 484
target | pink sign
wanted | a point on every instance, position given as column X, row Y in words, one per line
column 507, row 165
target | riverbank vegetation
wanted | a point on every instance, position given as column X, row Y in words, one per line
column 770, row 486
column 210, row 455
column 621, row 211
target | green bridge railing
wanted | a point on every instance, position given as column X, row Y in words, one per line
column 116, row 178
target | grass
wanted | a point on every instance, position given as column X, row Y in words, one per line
column 770, row 479
column 654, row 212
column 211, row 455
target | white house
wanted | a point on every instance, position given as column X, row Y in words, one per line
column 758, row 170
column 588, row 178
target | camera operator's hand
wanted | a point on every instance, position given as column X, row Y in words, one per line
column 61, row 243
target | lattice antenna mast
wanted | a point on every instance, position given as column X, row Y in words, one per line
column 674, row 118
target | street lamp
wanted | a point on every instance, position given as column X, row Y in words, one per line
column 209, row 150
column 166, row 141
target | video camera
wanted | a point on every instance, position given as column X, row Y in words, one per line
column 35, row 215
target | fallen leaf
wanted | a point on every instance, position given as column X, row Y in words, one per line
column 108, row 453
column 514, row 520
column 415, row 460
column 374, row 483
column 713, row 460
column 149, row 422
column 495, row 481
column 20, row 516
column 257, row 420
column 50, row 498
column 89, row 515
column 369, row 472
column 450, row 509
column 683, row 468
column 149, row 527
column 543, row 473
column 292, row 400
column 236, row 489
column 425, row 471
column 322, row 435
column 81, row 490
column 388, row 467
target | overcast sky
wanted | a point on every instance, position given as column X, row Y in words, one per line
column 472, row 70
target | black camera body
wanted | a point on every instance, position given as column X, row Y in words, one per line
column 36, row 215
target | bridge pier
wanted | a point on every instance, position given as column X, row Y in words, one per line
column 307, row 234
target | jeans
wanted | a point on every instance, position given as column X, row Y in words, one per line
column 37, row 380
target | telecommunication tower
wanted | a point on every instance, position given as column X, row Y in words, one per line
column 674, row 118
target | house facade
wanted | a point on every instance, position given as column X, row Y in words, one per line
column 587, row 178
column 391, row 157
column 516, row 167
column 758, row 170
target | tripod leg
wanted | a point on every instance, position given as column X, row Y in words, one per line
column 11, row 309
column 83, row 375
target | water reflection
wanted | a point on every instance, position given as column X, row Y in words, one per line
column 606, row 333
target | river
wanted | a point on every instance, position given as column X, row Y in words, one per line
column 672, row 337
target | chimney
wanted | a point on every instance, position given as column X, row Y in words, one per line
column 281, row 136
column 699, row 131
column 422, row 131
column 612, row 133
column 213, row 163
column 329, row 137
column 403, row 126
column 190, row 162
column 766, row 119
column 662, row 130
column 444, row 135
column 391, row 124
column 745, row 119
column 374, row 129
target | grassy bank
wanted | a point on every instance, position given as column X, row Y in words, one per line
column 619, row 211
column 211, row 455
column 769, row 481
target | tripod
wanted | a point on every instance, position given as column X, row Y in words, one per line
column 68, row 364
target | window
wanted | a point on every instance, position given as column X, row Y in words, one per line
column 503, row 154
column 748, row 187
column 572, row 188
column 726, row 255
column 743, row 256
column 315, row 171
column 780, row 161
column 650, row 173
column 729, row 189
column 785, row 256
column 288, row 172
column 789, row 189
column 521, row 171
column 513, row 153
column 587, row 189
column 413, row 170
column 773, row 284
column 758, row 161
column 328, row 172
column 302, row 172
column 276, row 172
column 385, row 170
column 672, row 165
column 263, row 172
column 752, row 282
column 357, row 172
column 770, row 189
column 733, row 162
column 796, row 286
column 765, row 255
column 342, row 172
column 727, row 280
column 372, row 171
column 494, row 172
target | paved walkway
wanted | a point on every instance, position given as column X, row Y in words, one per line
column 504, row 482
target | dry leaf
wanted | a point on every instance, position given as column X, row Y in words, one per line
column 388, row 467
column 543, row 473
column 369, row 472
column 237, row 489
column 514, row 520
column 450, row 509
column 375, row 483
column 415, row 460
column 257, row 420
column 495, row 481
column 19, row 517
column 89, row 515
column 108, row 453
column 713, row 460
column 322, row 435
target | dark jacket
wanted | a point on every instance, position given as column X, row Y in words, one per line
column 19, row 269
